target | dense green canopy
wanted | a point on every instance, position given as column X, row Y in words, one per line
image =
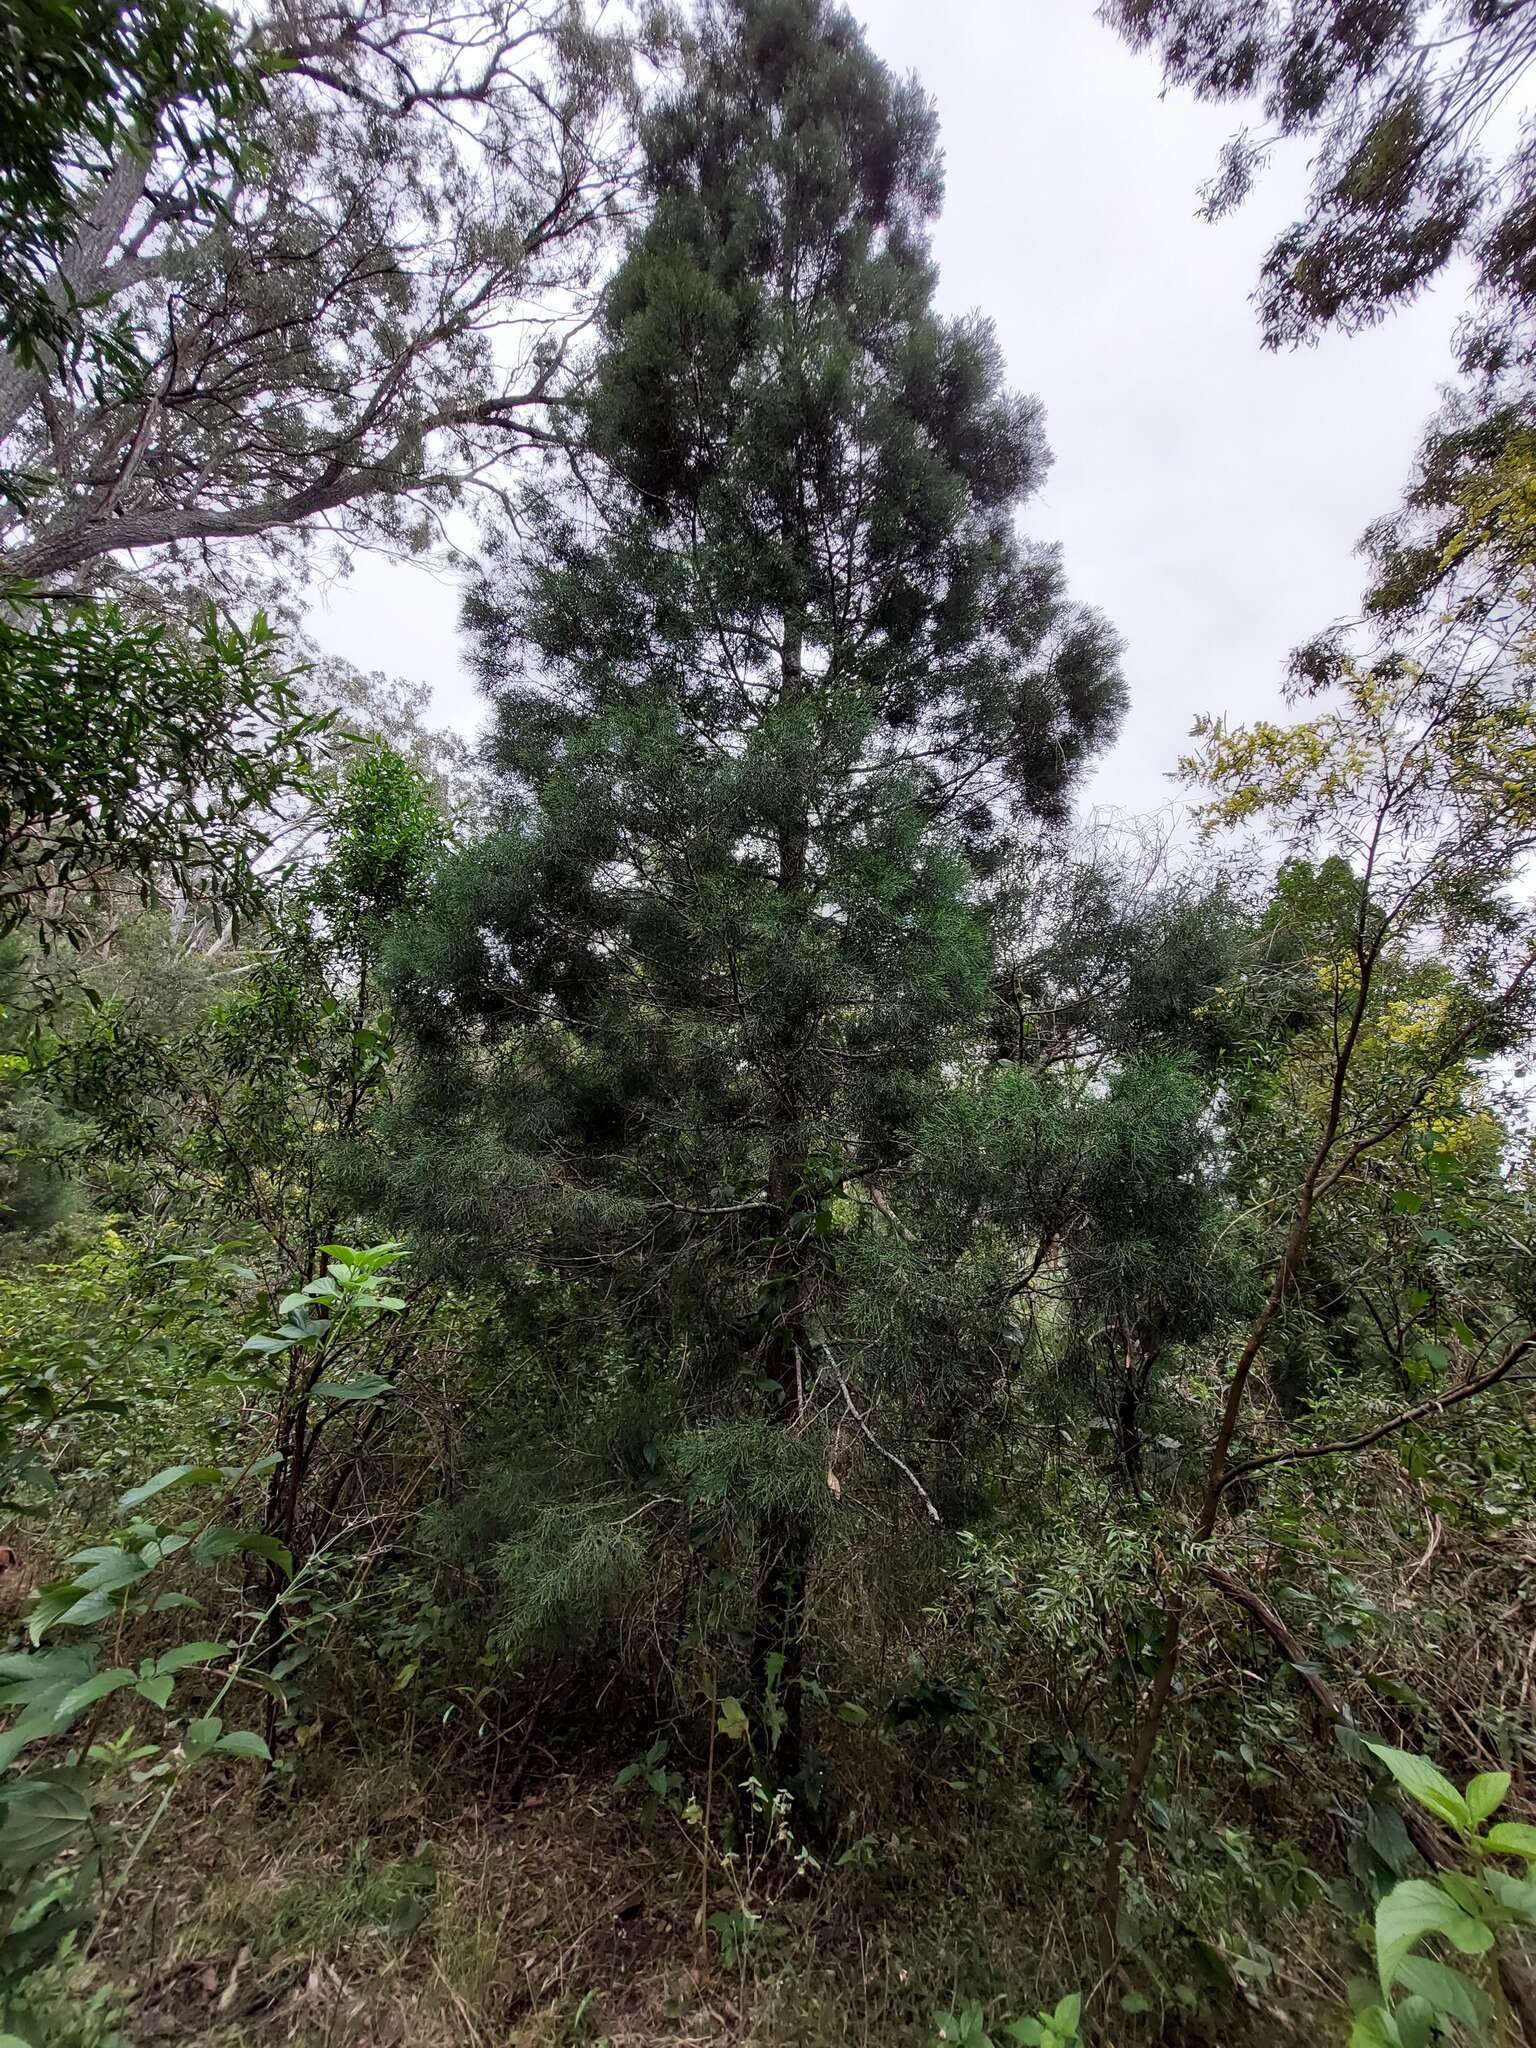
column 775, row 682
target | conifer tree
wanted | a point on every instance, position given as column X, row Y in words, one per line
column 776, row 683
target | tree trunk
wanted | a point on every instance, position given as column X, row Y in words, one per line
column 1133, row 1386
column 78, row 273
column 784, row 1542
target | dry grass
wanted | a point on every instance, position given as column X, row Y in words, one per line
column 376, row 1915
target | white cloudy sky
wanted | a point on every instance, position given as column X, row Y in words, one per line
column 1208, row 495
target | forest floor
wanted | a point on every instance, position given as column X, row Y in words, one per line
column 378, row 1909
column 379, row 1915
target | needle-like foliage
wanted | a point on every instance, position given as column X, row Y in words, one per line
column 774, row 689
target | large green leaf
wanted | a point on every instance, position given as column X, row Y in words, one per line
column 1516, row 1895
column 1451, row 1994
column 190, row 1653
column 199, row 1736
column 1466, row 1892
column 1069, row 2011
column 33, row 1726
column 244, row 1742
column 1414, row 1909
column 1373, row 2029
column 1414, row 2019
column 173, row 1475
column 1421, row 1781
column 110, row 1568
column 86, row 1695
column 1387, row 1836
column 39, row 1684
column 82, row 1613
column 27, row 1677
column 1485, row 1794
column 1512, row 1838
column 368, row 1386
column 222, row 1542
column 39, row 1817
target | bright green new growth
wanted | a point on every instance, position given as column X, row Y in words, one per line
column 114, row 1594
column 1467, row 1910
column 1057, row 2028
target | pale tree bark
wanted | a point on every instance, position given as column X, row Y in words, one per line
column 79, row 274
column 373, row 321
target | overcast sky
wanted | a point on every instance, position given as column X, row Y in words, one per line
column 1208, row 495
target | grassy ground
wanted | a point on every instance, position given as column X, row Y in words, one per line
column 398, row 1881
column 379, row 1909
column 377, row 1913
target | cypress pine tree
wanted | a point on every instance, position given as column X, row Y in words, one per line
column 776, row 679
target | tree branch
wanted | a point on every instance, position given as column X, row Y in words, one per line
column 1384, row 1429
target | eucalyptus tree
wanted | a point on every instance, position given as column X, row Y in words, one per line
column 775, row 686
column 350, row 288
column 81, row 82
column 1402, row 105
column 1399, row 103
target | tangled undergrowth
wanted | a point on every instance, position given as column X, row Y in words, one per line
column 584, row 1850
